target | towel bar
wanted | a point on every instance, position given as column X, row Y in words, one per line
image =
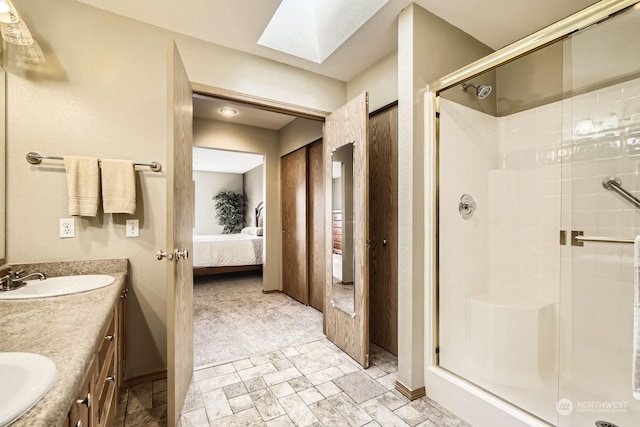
column 601, row 239
column 36, row 158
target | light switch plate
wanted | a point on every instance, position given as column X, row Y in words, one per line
column 133, row 228
column 67, row 228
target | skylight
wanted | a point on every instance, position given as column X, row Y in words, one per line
column 314, row 29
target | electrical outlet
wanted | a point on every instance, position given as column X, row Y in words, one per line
column 67, row 227
column 133, row 228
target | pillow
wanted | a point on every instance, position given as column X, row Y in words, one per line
column 252, row 231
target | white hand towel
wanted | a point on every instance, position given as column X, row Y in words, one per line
column 83, row 185
column 636, row 320
column 118, row 186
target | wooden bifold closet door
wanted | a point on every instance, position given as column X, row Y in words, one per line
column 293, row 179
column 302, row 192
column 383, row 216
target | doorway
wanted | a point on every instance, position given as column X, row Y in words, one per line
column 244, row 313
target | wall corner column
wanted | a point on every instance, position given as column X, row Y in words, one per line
column 410, row 212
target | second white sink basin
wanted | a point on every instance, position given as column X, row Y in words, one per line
column 26, row 377
column 62, row 285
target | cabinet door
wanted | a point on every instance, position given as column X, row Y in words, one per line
column 81, row 413
column 121, row 342
column 294, row 225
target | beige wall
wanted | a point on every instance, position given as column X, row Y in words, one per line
column 530, row 81
column 219, row 66
column 253, row 183
column 297, row 134
column 102, row 93
column 249, row 139
column 428, row 48
column 380, row 81
column 208, row 184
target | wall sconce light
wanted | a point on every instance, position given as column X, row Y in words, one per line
column 8, row 12
column 15, row 31
column 31, row 54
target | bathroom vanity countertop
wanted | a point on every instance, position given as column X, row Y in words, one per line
column 66, row 329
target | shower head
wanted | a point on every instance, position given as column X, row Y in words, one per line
column 482, row 91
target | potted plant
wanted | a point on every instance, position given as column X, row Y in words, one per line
column 230, row 208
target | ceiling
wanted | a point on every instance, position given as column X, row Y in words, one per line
column 206, row 107
column 211, row 160
column 238, row 24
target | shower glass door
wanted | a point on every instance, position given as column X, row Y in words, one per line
column 528, row 312
column 601, row 141
column 499, row 221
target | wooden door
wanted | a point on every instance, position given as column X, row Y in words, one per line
column 293, row 181
column 350, row 331
column 383, row 197
column 179, row 236
column 317, row 258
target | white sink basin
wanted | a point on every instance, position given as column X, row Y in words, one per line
column 55, row 286
column 26, row 377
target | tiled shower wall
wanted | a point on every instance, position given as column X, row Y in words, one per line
column 467, row 152
column 531, row 176
column 597, row 305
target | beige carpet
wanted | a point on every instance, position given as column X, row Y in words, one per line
column 233, row 319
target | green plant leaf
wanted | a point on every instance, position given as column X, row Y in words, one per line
column 230, row 208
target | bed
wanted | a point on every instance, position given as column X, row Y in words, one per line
column 228, row 253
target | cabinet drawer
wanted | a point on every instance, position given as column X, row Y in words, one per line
column 108, row 341
column 336, row 216
column 106, row 387
column 337, row 224
column 81, row 411
column 337, row 231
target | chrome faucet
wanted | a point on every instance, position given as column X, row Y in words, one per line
column 14, row 280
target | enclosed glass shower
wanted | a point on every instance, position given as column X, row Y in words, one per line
column 535, row 232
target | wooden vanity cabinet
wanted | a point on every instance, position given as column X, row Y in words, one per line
column 80, row 412
column 107, row 376
column 121, row 343
column 96, row 402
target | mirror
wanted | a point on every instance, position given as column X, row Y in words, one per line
column 342, row 260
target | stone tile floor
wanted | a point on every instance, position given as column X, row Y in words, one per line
column 312, row 384
column 143, row 405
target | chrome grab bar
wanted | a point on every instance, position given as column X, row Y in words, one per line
column 614, row 183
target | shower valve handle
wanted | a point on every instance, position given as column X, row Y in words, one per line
column 467, row 206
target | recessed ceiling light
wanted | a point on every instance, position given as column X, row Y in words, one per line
column 228, row 112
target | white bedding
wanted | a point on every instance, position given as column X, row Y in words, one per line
column 224, row 250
